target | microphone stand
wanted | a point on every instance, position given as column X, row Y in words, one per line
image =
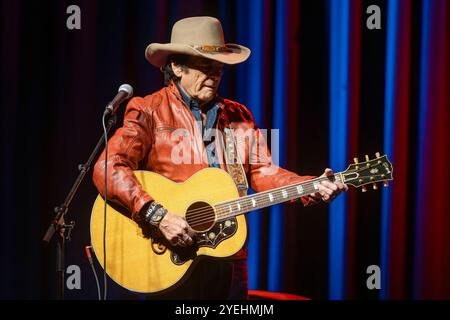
column 58, row 224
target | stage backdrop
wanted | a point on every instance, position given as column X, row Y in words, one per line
column 335, row 88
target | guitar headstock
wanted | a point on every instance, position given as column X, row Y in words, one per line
column 368, row 172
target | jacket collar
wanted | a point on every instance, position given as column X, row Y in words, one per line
column 174, row 90
column 191, row 103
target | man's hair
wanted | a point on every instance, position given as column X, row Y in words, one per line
column 169, row 75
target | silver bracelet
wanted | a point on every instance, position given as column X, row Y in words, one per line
column 155, row 213
column 157, row 216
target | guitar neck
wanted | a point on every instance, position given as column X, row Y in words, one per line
column 271, row 197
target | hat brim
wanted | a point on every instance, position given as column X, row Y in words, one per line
column 157, row 53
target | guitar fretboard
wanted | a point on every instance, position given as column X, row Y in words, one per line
column 268, row 198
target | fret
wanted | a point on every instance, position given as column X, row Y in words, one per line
column 316, row 185
column 268, row 198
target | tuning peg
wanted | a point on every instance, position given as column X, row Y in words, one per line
column 377, row 154
column 375, row 187
column 356, row 162
column 363, row 189
column 385, row 183
column 367, row 161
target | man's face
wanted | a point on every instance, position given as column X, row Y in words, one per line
column 199, row 77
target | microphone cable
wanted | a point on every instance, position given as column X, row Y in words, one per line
column 91, row 262
column 125, row 92
column 105, row 282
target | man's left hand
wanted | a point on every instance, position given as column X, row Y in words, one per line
column 328, row 190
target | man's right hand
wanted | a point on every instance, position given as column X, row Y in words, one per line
column 176, row 230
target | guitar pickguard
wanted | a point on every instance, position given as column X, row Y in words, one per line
column 221, row 231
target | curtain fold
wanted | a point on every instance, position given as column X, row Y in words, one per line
column 396, row 129
column 431, row 272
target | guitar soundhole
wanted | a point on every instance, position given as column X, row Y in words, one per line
column 200, row 216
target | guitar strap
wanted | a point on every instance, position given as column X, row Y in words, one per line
column 233, row 162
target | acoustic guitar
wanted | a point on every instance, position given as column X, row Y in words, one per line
column 139, row 259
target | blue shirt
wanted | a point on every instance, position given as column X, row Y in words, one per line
column 211, row 118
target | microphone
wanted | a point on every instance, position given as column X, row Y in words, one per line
column 125, row 92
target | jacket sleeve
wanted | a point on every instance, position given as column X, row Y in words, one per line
column 126, row 148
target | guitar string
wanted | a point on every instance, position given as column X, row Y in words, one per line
column 225, row 214
column 207, row 210
column 306, row 184
column 222, row 209
column 222, row 213
column 292, row 193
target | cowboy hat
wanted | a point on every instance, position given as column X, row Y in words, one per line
column 197, row 36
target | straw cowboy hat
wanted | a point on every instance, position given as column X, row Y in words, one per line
column 197, row 36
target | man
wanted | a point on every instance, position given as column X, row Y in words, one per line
column 192, row 64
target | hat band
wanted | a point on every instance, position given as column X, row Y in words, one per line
column 212, row 49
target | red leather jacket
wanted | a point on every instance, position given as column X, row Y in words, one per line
column 144, row 142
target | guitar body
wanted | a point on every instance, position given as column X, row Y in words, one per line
column 140, row 260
